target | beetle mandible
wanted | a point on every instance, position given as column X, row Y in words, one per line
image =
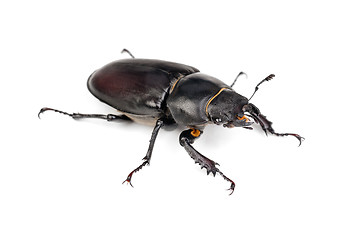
column 166, row 95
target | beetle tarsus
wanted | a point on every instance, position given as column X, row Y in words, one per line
column 42, row 110
column 186, row 139
column 128, row 180
column 267, row 126
column 297, row 136
column 233, row 185
column 147, row 158
column 129, row 177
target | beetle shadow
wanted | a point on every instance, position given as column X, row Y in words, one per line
column 214, row 136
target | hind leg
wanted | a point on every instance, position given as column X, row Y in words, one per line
column 108, row 117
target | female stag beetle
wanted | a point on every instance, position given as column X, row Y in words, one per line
column 166, row 95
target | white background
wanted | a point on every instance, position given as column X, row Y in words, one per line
column 61, row 179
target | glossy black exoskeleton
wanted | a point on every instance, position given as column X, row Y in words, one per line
column 167, row 94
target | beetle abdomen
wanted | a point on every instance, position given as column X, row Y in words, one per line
column 137, row 86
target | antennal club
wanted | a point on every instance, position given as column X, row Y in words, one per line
column 266, row 79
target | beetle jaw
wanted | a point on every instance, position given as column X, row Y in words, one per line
column 239, row 122
column 230, row 120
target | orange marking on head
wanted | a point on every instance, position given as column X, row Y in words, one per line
column 242, row 118
column 195, row 132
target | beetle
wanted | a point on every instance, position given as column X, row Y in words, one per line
column 167, row 95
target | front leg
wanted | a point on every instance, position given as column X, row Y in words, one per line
column 186, row 140
column 265, row 124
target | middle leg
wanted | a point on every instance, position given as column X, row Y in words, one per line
column 147, row 158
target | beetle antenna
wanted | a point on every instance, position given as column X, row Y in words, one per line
column 239, row 74
column 266, row 79
column 128, row 52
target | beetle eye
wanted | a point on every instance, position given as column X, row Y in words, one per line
column 217, row 120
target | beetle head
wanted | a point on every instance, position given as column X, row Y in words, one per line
column 227, row 109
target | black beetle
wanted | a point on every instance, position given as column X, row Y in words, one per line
column 167, row 94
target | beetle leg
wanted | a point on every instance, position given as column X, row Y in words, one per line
column 266, row 125
column 186, row 140
column 147, row 158
column 108, row 117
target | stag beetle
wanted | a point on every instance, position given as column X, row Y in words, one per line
column 166, row 95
